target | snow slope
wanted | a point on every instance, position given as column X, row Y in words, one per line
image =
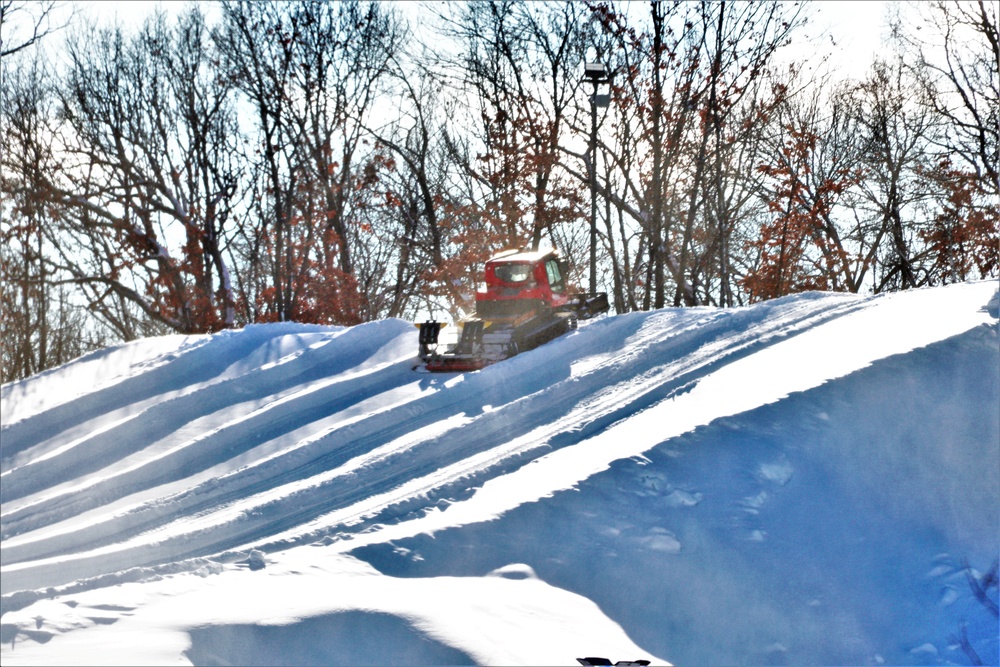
column 801, row 481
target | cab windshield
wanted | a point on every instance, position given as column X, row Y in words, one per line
column 513, row 273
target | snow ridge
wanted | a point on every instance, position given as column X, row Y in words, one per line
column 195, row 457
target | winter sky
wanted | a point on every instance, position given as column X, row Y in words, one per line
column 850, row 30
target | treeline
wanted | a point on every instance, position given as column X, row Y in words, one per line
column 342, row 162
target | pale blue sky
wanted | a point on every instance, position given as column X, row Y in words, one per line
column 855, row 25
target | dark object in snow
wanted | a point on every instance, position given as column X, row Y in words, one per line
column 595, row 662
column 981, row 587
column 526, row 303
column 256, row 560
column 993, row 307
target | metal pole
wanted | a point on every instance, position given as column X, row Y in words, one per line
column 596, row 73
column 593, row 191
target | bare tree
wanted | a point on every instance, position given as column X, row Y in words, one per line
column 148, row 165
column 957, row 49
column 24, row 24
column 40, row 324
column 311, row 72
column 520, row 63
column 897, row 131
column 257, row 40
column 692, row 97
column 809, row 240
column 418, row 194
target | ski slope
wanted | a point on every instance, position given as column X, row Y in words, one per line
column 800, row 481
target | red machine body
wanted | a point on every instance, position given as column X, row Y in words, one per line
column 518, row 282
column 526, row 303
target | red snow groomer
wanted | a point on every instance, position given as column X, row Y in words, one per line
column 526, row 303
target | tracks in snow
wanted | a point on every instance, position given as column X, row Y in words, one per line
column 329, row 435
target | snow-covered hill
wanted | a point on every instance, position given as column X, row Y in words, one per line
column 801, row 481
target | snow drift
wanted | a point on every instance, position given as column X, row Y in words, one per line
column 809, row 480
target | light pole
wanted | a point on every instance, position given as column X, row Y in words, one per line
column 596, row 74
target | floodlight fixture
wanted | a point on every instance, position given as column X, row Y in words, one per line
column 595, row 72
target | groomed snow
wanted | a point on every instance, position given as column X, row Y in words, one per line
column 800, row 481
